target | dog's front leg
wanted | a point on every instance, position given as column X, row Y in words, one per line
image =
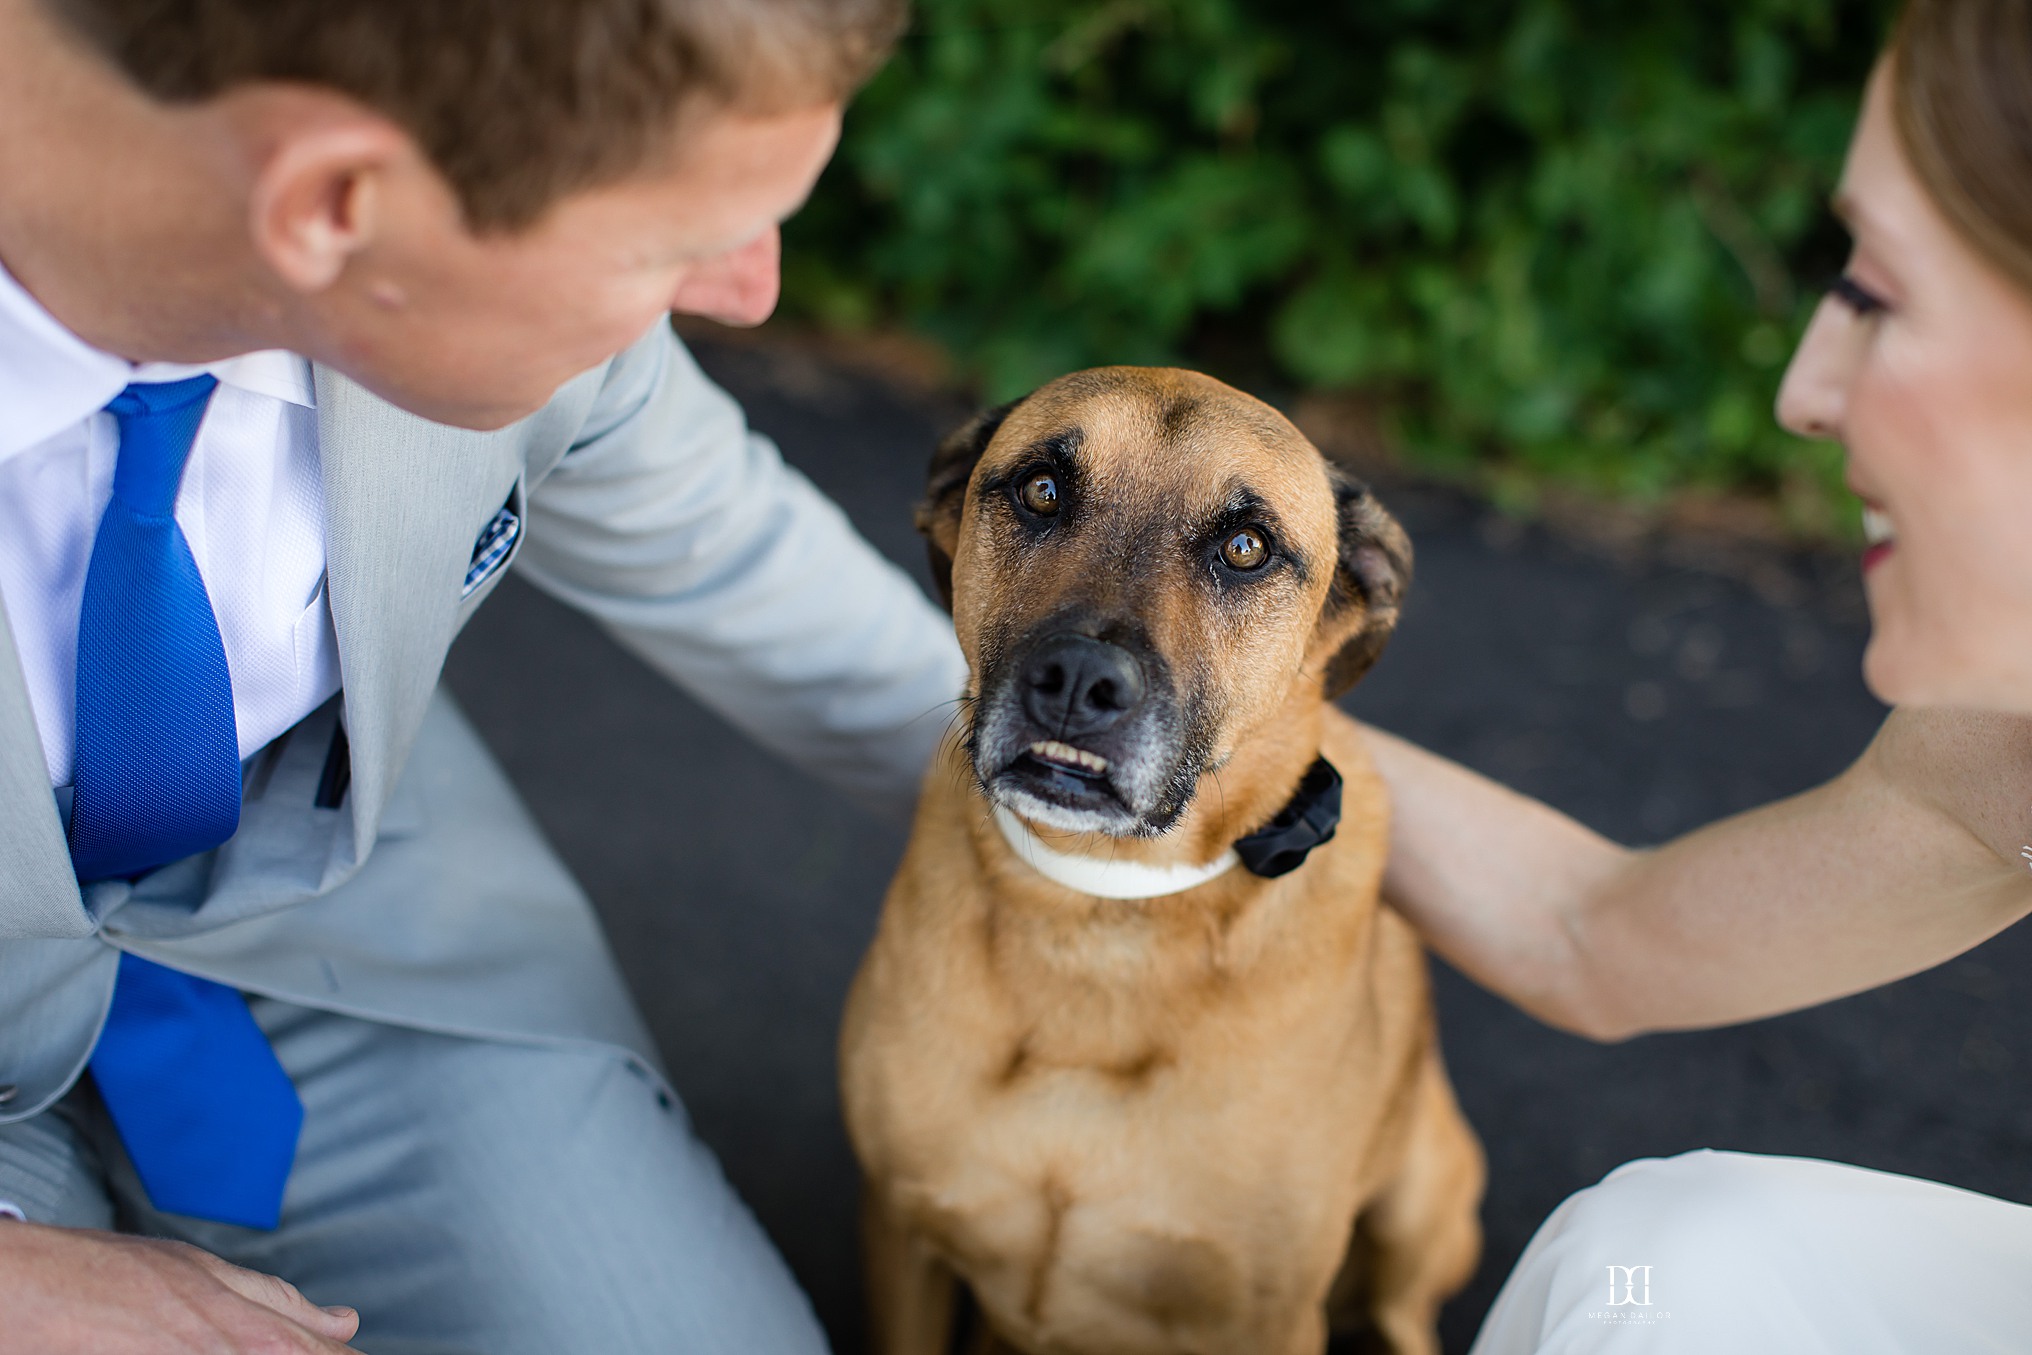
column 910, row 1290
column 1423, row 1230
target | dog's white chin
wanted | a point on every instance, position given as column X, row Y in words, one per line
column 1112, row 822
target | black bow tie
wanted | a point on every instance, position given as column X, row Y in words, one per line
column 1308, row 821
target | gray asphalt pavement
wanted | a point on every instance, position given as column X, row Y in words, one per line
column 1643, row 698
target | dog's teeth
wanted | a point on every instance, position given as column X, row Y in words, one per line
column 1877, row 528
column 1053, row 751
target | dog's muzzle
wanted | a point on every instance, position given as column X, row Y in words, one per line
column 1081, row 734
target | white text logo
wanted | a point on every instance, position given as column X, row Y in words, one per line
column 1629, row 1285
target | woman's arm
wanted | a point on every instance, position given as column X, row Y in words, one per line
column 1908, row 858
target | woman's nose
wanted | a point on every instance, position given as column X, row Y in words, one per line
column 1813, row 401
column 739, row 287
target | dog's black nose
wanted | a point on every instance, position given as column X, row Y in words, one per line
column 1073, row 685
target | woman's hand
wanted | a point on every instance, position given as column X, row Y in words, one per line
column 1907, row 859
column 69, row 1291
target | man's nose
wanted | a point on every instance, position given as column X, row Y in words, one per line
column 1814, row 400
column 739, row 287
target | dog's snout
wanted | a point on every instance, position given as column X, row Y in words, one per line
column 1073, row 685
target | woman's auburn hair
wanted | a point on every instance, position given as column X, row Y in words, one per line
column 1961, row 75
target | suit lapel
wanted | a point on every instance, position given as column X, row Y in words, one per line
column 404, row 500
column 38, row 893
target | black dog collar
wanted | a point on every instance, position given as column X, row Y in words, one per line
column 1308, row 821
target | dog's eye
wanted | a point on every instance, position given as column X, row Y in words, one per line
column 1040, row 494
column 1246, row 549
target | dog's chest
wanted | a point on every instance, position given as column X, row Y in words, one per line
column 1159, row 1188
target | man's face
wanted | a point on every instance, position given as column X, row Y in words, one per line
column 478, row 331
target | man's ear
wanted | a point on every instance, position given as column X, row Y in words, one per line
column 1371, row 577
column 945, row 491
column 317, row 195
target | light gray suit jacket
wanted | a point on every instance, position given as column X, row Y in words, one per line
column 420, row 893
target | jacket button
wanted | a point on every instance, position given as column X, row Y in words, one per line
column 8, row 1091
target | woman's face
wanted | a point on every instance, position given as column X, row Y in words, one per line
column 1920, row 365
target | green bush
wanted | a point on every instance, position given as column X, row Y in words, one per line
column 1552, row 240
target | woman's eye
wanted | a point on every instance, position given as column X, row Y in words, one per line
column 1040, row 494
column 1246, row 550
column 1855, row 296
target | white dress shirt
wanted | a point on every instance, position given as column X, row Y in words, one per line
column 251, row 506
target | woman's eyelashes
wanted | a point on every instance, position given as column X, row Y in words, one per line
column 1856, row 297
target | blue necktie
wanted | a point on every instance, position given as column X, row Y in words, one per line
column 207, row 1114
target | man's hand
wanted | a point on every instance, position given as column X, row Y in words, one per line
column 68, row 1291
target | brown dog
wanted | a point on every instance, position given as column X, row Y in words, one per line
column 1139, row 1097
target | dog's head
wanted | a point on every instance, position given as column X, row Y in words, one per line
column 1144, row 566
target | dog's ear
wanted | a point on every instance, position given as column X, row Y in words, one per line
column 945, row 491
column 1371, row 578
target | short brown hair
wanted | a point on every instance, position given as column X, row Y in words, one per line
column 1962, row 89
column 517, row 102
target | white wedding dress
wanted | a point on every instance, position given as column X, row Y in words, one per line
column 1741, row 1254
